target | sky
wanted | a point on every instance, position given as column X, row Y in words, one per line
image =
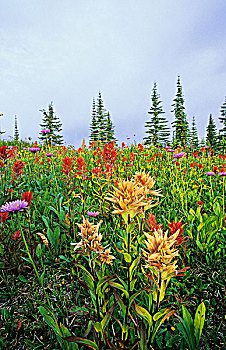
column 65, row 52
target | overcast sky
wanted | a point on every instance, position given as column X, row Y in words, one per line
column 67, row 51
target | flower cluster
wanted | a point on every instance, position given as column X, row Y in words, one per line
column 131, row 196
column 91, row 242
column 14, row 206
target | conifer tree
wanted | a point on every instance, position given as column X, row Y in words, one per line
column 156, row 128
column 211, row 136
column 52, row 123
column 180, row 124
column 222, row 131
column 94, row 131
column 16, row 131
column 194, row 140
column 110, row 129
column 101, row 119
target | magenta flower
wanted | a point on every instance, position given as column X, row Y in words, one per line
column 49, row 154
column 210, row 173
column 170, row 150
column 178, row 155
column 18, row 205
column 34, row 149
column 93, row 213
column 45, row 131
column 222, row 173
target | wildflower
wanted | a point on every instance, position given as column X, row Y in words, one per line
column 5, row 153
column 152, row 222
column 93, row 213
column 105, row 256
column 210, row 173
column 34, row 149
column 17, row 168
column 45, row 131
column 178, row 155
column 14, row 206
column 160, row 247
column 49, row 154
column 200, row 203
column 128, row 198
column 67, row 165
column 146, row 181
column 91, row 238
column 222, row 173
column 16, row 235
column 4, row 217
column 174, row 227
column 27, row 197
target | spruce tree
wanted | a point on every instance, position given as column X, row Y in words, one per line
column 211, row 136
column 156, row 128
column 222, row 131
column 101, row 120
column 194, row 140
column 52, row 123
column 16, row 131
column 110, row 129
column 94, row 131
column 180, row 124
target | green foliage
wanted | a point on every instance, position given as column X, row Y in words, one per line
column 16, row 131
column 52, row 123
column 211, row 136
column 180, row 125
column 156, row 128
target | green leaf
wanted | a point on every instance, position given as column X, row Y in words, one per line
column 102, row 281
column 189, row 326
column 120, row 302
column 199, row 244
column 39, row 250
column 49, row 320
column 135, row 295
column 98, row 327
column 133, row 266
column 144, row 313
column 159, row 314
column 119, row 286
column 22, row 278
column 127, row 257
column 84, row 269
column 199, row 321
column 64, row 258
column 83, row 341
column 107, row 317
column 42, row 277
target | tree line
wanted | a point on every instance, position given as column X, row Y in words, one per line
column 157, row 130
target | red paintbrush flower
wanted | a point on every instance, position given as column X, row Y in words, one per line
column 151, row 222
column 5, row 153
column 67, row 165
column 4, row 217
column 18, row 168
column 16, row 235
column 27, row 197
column 174, row 227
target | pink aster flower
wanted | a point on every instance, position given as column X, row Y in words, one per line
column 210, row 173
column 49, row 154
column 34, row 149
column 93, row 213
column 15, row 206
column 222, row 173
column 178, row 155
